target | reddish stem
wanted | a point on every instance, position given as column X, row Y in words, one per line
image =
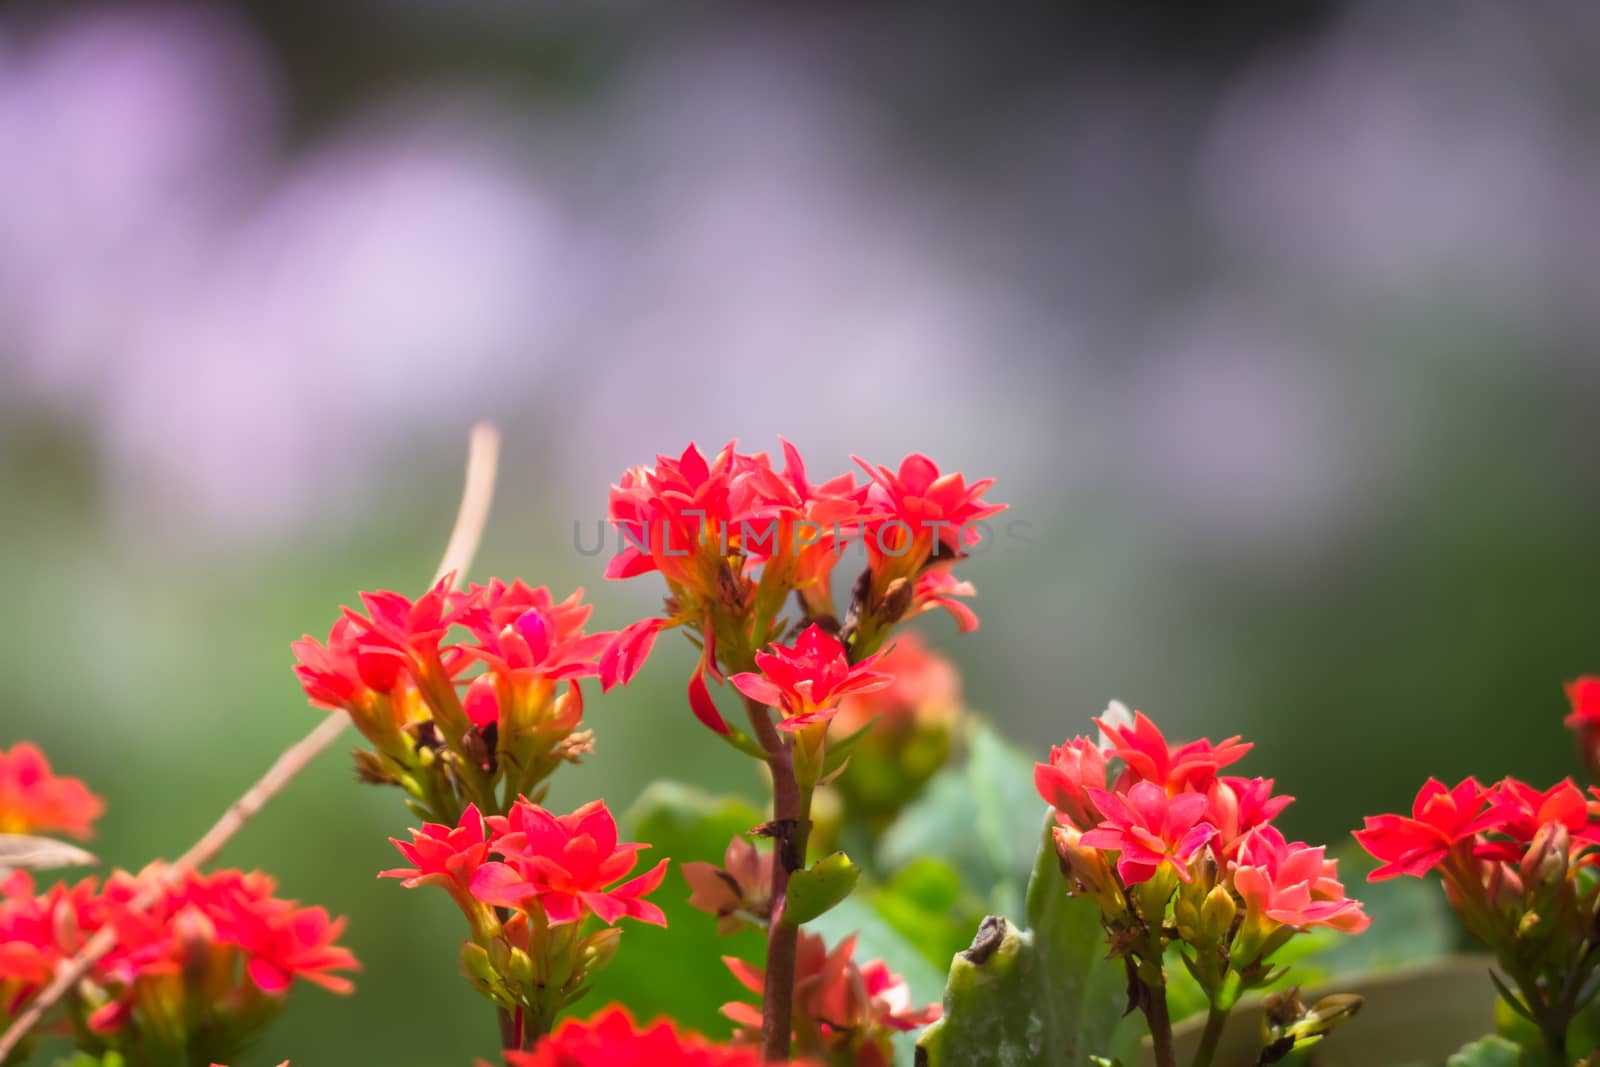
column 790, row 826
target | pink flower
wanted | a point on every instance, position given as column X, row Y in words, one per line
column 566, row 864
column 741, row 886
column 443, row 855
column 1441, row 820
column 806, row 681
column 840, row 1007
column 1065, row 782
column 1149, row 828
column 525, row 635
column 1236, row 806
column 1293, row 884
column 34, row 800
column 1144, row 749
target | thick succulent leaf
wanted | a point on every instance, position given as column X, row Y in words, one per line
column 678, row 971
column 819, row 887
column 1044, row 994
column 1489, row 1052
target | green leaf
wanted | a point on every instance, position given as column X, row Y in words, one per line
column 926, row 902
column 819, row 887
column 678, row 971
column 978, row 818
column 1489, row 1052
column 1045, row 994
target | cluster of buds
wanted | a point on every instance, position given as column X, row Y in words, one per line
column 528, row 882
column 192, row 976
column 1178, row 855
column 1521, row 868
column 36, row 800
column 913, row 722
column 479, row 721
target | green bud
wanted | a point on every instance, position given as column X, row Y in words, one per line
column 1217, row 915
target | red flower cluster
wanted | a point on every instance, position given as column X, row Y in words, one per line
column 1519, row 867
column 528, row 950
column 565, row 866
column 210, row 959
column 1171, row 821
column 413, row 693
column 34, row 800
column 612, row 1039
column 843, row 1011
column 734, row 536
column 1476, row 836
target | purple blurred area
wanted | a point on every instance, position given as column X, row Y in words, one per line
column 1194, row 281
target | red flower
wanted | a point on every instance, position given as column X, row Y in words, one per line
column 612, row 1039
column 1149, row 828
column 242, row 946
column 34, row 800
column 679, row 517
column 412, row 631
column 285, row 944
column 525, row 635
column 1293, row 884
column 926, row 515
column 1521, row 810
column 564, row 864
column 806, row 681
column 799, row 527
column 1441, row 819
column 627, row 651
column 1144, row 749
column 1584, row 695
column 443, row 855
column 1074, row 769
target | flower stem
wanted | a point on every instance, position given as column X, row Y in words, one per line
column 791, row 827
column 1216, row 1019
column 1161, row 1026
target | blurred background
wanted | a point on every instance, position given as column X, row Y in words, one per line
column 1278, row 327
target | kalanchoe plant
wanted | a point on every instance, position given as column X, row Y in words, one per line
column 613, row 1039
column 35, row 800
column 193, row 974
column 528, row 884
column 736, row 539
column 1518, row 865
column 1178, row 856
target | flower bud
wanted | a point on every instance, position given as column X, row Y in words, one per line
column 1217, row 915
column 1544, row 865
